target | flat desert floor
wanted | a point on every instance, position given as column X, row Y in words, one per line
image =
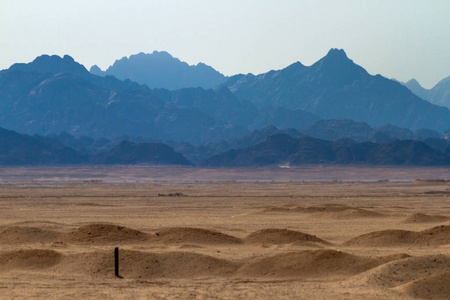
column 301, row 233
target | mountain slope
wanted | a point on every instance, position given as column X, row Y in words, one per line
column 439, row 94
column 162, row 70
column 148, row 153
column 336, row 88
column 36, row 100
column 281, row 149
column 20, row 149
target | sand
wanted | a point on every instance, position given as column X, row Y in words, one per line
column 223, row 239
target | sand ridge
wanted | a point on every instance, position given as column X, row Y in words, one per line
column 29, row 259
column 194, row 235
column 439, row 235
column 314, row 264
column 103, row 233
column 25, row 235
column 335, row 211
column 435, row 286
column 283, row 236
column 424, row 218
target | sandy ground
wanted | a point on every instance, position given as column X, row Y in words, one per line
column 307, row 233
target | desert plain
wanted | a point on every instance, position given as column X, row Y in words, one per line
column 313, row 232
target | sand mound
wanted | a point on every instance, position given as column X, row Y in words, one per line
column 25, row 235
column 327, row 208
column 424, row 218
column 436, row 286
column 355, row 213
column 281, row 236
column 387, row 238
column 136, row 264
column 439, row 235
column 312, row 264
column 336, row 211
column 400, row 272
column 187, row 235
column 29, row 259
column 103, row 234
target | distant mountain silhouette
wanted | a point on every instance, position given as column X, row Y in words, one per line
column 439, row 94
column 20, row 149
column 162, row 70
column 80, row 103
column 336, row 88
column 53, row 94
column 202, row 152
column 339, row 129
column 282, row 149
column 146, row 153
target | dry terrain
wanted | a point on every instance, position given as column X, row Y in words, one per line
column 319, row 232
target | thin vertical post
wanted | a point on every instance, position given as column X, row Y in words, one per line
column 116, row 260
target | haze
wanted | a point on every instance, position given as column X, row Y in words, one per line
column 398, row 39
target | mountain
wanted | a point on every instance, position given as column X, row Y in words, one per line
column 439, row 94
column 339, row 129
column 146, row 153
column 55, row 64
column 199, row 153
column 336, row 88
column 36, row 101
column 20, row 149
column 282, row 149
column 162, row 70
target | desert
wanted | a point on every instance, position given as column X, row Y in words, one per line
column 193, row 233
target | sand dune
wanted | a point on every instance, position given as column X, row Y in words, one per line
column 25, row 235
column 436, row 286
column 335, row 211
column 424, row 218
column 313, row 264
column 401, row 272
column 177, row 235
column 146, row 265
column 103, row 234
column 282, row 236
column 30, row 259
column 389, row 238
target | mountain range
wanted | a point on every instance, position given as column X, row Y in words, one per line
column 332, row 100
column 336, row 88
column 439, row 94
column 162, row 70
column 284, row 150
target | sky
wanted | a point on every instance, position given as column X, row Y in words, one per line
column 400, row 39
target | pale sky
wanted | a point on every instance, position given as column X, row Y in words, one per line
column 400, row 39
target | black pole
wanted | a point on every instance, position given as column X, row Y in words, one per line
column 116, row 259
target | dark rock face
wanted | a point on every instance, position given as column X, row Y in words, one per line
column 282, row 149
column 161, row 70
column 145, row 153
column 336, row 88
column 20, row 149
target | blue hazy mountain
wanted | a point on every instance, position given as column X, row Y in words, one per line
column 149, row 153
column 282, row 149
column 162, row 70
column 54, row 94
column 439, row 94
column 336, row 88
column 21, row 149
